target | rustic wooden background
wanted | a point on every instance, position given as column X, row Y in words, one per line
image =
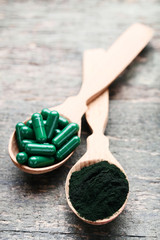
column 41, row 46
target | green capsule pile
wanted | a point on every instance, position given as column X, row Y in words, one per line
column 46, row 139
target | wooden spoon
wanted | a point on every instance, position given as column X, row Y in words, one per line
column 97, row 149
column 100, row 68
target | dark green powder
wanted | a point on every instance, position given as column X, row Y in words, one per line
column 98, row 191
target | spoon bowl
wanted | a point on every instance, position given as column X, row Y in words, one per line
column 13, row 151
column 100, row 69
column 77, row 167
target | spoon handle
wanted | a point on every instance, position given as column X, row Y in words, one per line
column 97, row 116
column 97, row 113
column 101, row 68
column 97, row 142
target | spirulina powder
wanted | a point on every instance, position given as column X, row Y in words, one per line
column 98, row 191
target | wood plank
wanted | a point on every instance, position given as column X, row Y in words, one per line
column 40, row 65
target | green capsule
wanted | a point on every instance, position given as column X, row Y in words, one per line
column 66, row 134
column 45, row 112
column 39, row 128
column 26, row 141
column 19, row 135
column 51, row 124
column 40, row 149
column 63, row 122
column 66, row 149
column 22, row 157
column 27, row 132
column 29, row 123
column 40, row 161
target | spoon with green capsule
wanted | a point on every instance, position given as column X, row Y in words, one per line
column 100, row 69
column 82, row 200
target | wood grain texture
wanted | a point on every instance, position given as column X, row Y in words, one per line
column 40, row 65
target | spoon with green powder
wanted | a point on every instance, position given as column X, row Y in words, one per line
column 96, row 186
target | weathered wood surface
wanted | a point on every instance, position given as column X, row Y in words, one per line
column 40, row 65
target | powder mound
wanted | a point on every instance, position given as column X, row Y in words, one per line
column 98, row 191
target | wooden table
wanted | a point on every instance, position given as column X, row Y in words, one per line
column 40, row 66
